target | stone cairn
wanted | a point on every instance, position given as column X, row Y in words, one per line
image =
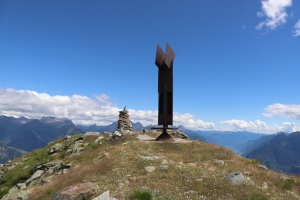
column 124, row 125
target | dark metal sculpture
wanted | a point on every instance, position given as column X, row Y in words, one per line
column 164, row 62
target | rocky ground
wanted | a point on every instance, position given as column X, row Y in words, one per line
column 95, row 166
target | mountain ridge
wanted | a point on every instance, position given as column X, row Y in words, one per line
column 184, row 169
column 280, row 153
column 29, row 134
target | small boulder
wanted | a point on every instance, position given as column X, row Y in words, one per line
column 150, row 169
column 67, row 137
column 164, row 162
column 180, row 135
column 198, row 180
column 265, row 186
column 21, row 185
column 3, row 169
column 262, row 166
column 34, row 177
column 77, row 147
column 46, row 180
column 78, row 150
column 219, row 163
column 164, row 167
column 247, row 173
column 55, row 148
column 99, row 140
column 88, row 134
column 11, row 167
column 80, row 191
column 236, row 178
column 104, row 196
column 38, row 166
column 150, row 157
column 115, row 135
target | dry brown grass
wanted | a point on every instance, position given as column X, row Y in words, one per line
column 78, row 174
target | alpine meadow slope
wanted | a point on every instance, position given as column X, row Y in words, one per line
column 135, row 164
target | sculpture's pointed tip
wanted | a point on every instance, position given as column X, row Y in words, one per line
column 170, row 55
column 160, row 56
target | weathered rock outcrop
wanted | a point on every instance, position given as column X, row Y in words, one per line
column 80, row 191
column 104, row 196
column 179, row 134
column 55, row 148
column 51, row 167
column 88, row 134
column 34, row 177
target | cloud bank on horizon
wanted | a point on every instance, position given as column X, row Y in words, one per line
column 101, row 111
column 275, row 12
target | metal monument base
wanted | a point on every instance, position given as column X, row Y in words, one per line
column 165, row 136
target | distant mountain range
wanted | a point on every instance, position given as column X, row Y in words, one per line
column 232, row 140
column 29, row 134
column 280, row 152
column 9, row 153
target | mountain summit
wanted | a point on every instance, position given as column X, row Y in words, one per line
column 133, row 166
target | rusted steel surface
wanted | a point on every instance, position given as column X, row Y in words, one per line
column 164, row 62
column 164, row 137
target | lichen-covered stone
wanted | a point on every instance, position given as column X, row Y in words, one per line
column 55, row 148
column 80, row 191
column 34, row 177
column 88, row 134
column 236, row 178
column 179, row 134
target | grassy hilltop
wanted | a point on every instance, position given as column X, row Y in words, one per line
column 128, row 167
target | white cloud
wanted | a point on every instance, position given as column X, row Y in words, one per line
column 282, row 110
column 81, row 109
column 275, row 11
column 188, row 121
column 297, row 29
column 261, row 127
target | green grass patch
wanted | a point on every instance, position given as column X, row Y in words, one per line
column 286, row 184
column 50, row 192
column 251, row 161
column 140, row 195
column 62, row 155
column 257, row 196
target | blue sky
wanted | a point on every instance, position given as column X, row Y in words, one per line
column 236, row 60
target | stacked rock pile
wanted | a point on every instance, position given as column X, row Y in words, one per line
column 124, row 125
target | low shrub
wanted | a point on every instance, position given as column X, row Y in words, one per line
column 141, row 195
